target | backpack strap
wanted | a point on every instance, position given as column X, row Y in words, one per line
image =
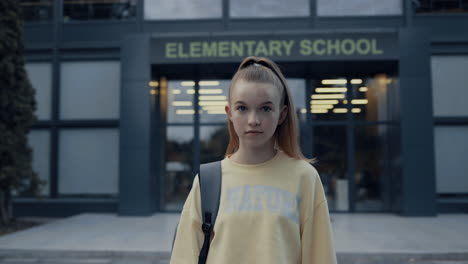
column 210, row 191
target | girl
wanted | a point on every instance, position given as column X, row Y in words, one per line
column 272, row 207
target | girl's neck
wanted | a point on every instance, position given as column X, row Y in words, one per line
column 250, row 156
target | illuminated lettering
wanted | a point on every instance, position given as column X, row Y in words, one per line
column 288, row 46
column 374, row 48
column 275, row 48
column 171, row 48
column 261, row 49
column 348, row 46
column 363, row 46
column 319, row 50
column 195, row 49
column 333, row 45
column 209, row 49
column 305, row 47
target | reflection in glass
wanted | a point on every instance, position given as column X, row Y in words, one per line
column 98, row 10
column 370, row 176
column 441, row 6
column 268, row 8
column 370, row 98
column 180, row 101
column 179, row 177
column 37, row 10
column 297, row 88
column 213, row 96
column 214, row 141
column 182, row 9
column 329, row 99
column 330, row 151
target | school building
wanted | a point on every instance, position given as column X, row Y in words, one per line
column 131, row 96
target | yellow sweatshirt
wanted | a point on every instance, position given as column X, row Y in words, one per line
column 269, row 213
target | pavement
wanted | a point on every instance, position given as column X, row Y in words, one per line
column 111, row 239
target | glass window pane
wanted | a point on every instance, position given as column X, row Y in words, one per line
column 449, row 87
column 447, row 6
column 330, row 151
column 451, row 152
column 179, row 157
column 297, row 88
column 214, row 141
column 213, row 95
column 39, row 140
column 370, row 176
column 268, row 8
column 90, row 90
column 99, row 10
column 88, row 161
column 370, row 98
column 180, row 101
column 40, row 75
column 358, row 7
column 182, row 9
column 329, row 99
column 37, row 10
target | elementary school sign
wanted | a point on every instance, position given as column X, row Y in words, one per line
column 349, row 46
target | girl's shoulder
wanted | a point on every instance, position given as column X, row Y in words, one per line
column 300, row 167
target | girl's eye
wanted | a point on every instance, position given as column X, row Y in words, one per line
column 266, row 109
column 241, row 108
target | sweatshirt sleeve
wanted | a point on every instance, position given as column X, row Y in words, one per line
column 189, row 236
column 317, row 237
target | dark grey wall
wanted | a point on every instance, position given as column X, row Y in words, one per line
column 417, row 135
column 137, row 186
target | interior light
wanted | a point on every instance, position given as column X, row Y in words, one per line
column 363, row 89
column 153, row 83
column 322, row 106
column 210, row 91
column 303, row 111
column 213, row 112
column 345, row 101
column 153, row 91
column 331, row 89
column 340, row 110
column 185, row 112
column 359, row 101
column 205, row 103
column 182, row 103
column 176, row 91
column 190, row 91
column 356, row 110
column 356, row 81
column 188, row 83
column 324, row 102
column 335, row 81
column 319, row 111
column 328, row 96
column 213, row 107
column 209, row 83
column 212, row 97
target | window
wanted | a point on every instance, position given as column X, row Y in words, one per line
column 359, row 8
column 441, row 6
column 90, row 90
column 182, row 9
column 98, row 10
column 89, row 161
column 268, row 8
column 40, row 75
column 37, row 10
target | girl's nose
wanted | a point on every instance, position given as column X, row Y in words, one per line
column 253, row 120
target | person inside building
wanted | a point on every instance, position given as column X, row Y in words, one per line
column 272, row 206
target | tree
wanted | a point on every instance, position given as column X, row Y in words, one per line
column 17, row 106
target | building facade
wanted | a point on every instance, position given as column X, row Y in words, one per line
column 131, row 94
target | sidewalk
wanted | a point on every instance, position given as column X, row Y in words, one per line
column 110, row 236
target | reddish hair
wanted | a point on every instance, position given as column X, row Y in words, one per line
column 263, row 70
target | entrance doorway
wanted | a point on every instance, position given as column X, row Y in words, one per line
column 348, row 123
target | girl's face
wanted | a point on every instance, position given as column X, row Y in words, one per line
column 255, row 111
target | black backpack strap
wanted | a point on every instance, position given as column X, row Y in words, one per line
column 210, row 191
